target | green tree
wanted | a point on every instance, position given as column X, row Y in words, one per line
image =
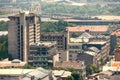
column 70, row 78
column 102, row 61
column 93, row 68
column 3, row 26
column 76, row 75
column 4, row 48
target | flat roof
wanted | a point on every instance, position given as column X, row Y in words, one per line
column 61, row 73
column 90, row 28
column 90, row 53
column 98, row 42
column 44, row 43
column 3, row 33
column 14, row 71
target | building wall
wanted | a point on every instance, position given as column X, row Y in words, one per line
column 117, row 54
column 19, row 34
column 63, row 55
column 61, row 39
column 88, row 59
column 9, row 78
column 74, row 49
column 12, row 39
column 113, row 43
column 41, row 55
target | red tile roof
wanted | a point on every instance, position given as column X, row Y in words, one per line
column 117, row 32
column 90, row 28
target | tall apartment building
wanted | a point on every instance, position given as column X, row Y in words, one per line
column 23, row 30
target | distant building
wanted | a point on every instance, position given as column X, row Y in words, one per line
column 23, row 30
column 10, row 10
column 41, row 53
column 35, row 8
column 60, row 38
column 83, row 1
column 93, row 30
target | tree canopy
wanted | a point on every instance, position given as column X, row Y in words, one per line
column 92, row 69
column 4, row 48
column 55, row 26
column 3, row 26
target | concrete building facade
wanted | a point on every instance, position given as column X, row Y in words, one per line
column 23, row 30
column 61, row 39
column 41, row 53
column 117, row 54
column 115, row 40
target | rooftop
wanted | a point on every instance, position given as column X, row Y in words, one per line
column 94, row 49
column 117, row 32
column 43, row 43
column 23, row 13
column 3, row 33
column 85, row 35
column 70, row 64
column 13, row 63
column 61, row 73
column 38, row 73
column 14, row 71
column 98, row 42
column 89, row 28
column 91, row 53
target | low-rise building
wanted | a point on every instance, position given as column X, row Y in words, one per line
column 25, row 74
column 41, row 53
column 74, row 50
column 9, row 64
column 101, row 45
column 78, row 45
column 117, row 54
column 77, row 65
column 94, row 30
column 91, row 56
column 115, row 40
column 61, row 74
